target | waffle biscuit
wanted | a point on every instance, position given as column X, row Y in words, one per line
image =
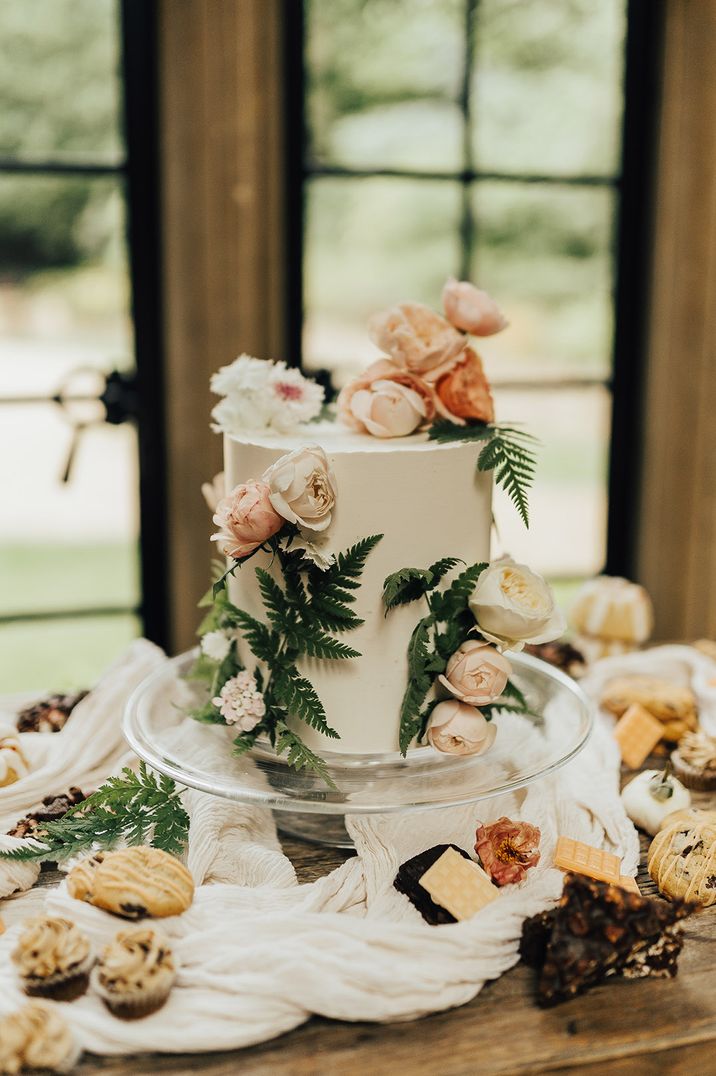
column 637, row 734
column 571, row 855
column 458, row 885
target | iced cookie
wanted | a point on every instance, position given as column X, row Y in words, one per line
column 133, row 882
column 682, row 859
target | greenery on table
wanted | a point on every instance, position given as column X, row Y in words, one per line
column 134, row 808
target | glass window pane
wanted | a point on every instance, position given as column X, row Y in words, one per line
column 382, row 83
column 547, row 89
column 545, row 252
column 66, row 546
column 64, row 288
column 62, row 654
column 370, row 243
column 59, row 80
column 568, row 502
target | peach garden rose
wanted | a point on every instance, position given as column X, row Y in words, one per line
column 464, row 391
column 458, row 729
column 476, row 673
column 386, row 401
column 246, row 519
column 471, row 310
column 416, row 338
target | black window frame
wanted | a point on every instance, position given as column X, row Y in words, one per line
column 634, row 189
column 138, row 171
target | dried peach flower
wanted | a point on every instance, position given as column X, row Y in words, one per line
column 507, row 849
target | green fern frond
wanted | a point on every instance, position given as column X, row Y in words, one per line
column 298, row 696
column 510, row 454
column 300, row 757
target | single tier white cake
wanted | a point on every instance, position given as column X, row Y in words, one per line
column 429, row 501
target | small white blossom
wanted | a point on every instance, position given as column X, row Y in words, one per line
column 261, row 395
column 216, row 645
column 240, row 702
column 315, row 550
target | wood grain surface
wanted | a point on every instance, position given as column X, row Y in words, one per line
column 647, row 1027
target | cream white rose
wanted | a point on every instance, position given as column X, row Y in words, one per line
column 458, row 729
column 513, row 605
column 302, row 488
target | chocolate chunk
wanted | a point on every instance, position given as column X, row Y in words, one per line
column 48, row 715
column 51, row 809
column 598, row 930
column 407, row 881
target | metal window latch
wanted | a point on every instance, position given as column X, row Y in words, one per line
column 115, row 400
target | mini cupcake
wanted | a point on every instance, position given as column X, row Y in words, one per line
column 53, row 959
column 135, row 974
column 36, row 1038
column 694, row 761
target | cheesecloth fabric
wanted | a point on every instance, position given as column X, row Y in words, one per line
column 259, row 953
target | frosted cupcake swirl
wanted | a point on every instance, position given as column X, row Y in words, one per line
column 135, row 964
column 51, row 948
column 36, row 1037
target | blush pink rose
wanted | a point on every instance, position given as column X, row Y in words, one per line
column 507, row 849
column 464, row 391
column 416, row 338
column 476, row 673
column 458, row 729
column 245, row 518
column 471, row 310
column 387, row 401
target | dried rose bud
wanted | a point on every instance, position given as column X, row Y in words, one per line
column 507, row 849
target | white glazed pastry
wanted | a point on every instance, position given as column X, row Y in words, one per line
column 13, row 763
column 651, row 796
column 611, row 608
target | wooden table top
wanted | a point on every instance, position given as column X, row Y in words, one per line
column 647, row 1026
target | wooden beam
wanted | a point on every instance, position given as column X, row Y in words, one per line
column 222, row 223
column 676, row 548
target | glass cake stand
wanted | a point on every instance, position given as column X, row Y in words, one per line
column 200, row 756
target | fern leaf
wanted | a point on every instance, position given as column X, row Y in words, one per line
column 453, row 601
column 273, row 598
column 352, row 562
column 445, row 431
column 510, row 454
column 317, row 644
column 419, row 683
column 300, row 757
column 300, row 700
column 405, row 586
column 262, row 641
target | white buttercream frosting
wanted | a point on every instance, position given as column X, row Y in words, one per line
column 429, row 501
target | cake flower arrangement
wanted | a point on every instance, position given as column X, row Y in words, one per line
column 458, row 675
column 429, row 381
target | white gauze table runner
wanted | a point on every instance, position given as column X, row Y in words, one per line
column 257, row 952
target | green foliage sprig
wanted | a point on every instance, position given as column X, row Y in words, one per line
column 508, row 451
column 436, row 637
column 137, row 808
column 304, row 613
